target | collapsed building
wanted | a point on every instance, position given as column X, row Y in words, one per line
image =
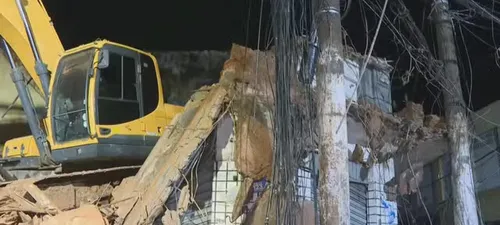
column 375, row 140
column 231, row 186
column 214, row 163
column 375, row 89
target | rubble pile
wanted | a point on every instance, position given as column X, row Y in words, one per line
column 390, row 135
column 408, row 137
column 416, row 128
column 23, row 202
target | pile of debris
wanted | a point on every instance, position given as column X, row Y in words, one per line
column 23, row 202
column 391, row 135
column 409, row 137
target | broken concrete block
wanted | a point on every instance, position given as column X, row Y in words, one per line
column 171, row 218
column 87, row 214
column 64, row 197
column 434, row 122
column 10, row 218
column 413, row 112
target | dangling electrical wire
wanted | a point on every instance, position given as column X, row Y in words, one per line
column 292, row 126
column 282, row 180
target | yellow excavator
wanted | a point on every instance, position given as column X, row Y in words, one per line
column 104, row 101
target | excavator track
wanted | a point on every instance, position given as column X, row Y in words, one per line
column 108, row 175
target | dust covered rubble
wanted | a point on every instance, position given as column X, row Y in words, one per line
column 408, row 136
column 391, row 135
column 23, row 202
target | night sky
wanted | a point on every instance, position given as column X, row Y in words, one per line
column 154, row 24
column 214, row 25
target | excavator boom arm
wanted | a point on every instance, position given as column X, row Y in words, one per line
column 14, row 32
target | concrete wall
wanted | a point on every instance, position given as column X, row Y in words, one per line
column 487, row 160
column 375, row 86
column 435, row 188
column 486, row 144
column 488, row 201
column 218, row 182
column 486, row 118
column 425, row 159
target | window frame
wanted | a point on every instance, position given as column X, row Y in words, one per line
column 53, row 103
column 122, row 52
column 153, row 76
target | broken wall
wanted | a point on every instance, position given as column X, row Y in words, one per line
column 397, row 144
column 428, row 187
column 260, row 84
column 374, row 84
column 243, row 152
column 218, row 181
column 251, row 111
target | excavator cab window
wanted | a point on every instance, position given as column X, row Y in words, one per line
column 69, row 96
column 149, row 81
column 118, row 100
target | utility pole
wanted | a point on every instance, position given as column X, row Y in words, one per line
column 333, row 175
column 464, row 207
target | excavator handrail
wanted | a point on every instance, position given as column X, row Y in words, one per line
column 47, row 41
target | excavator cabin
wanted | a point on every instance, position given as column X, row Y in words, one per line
column 104, row 99
column 105, row 103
